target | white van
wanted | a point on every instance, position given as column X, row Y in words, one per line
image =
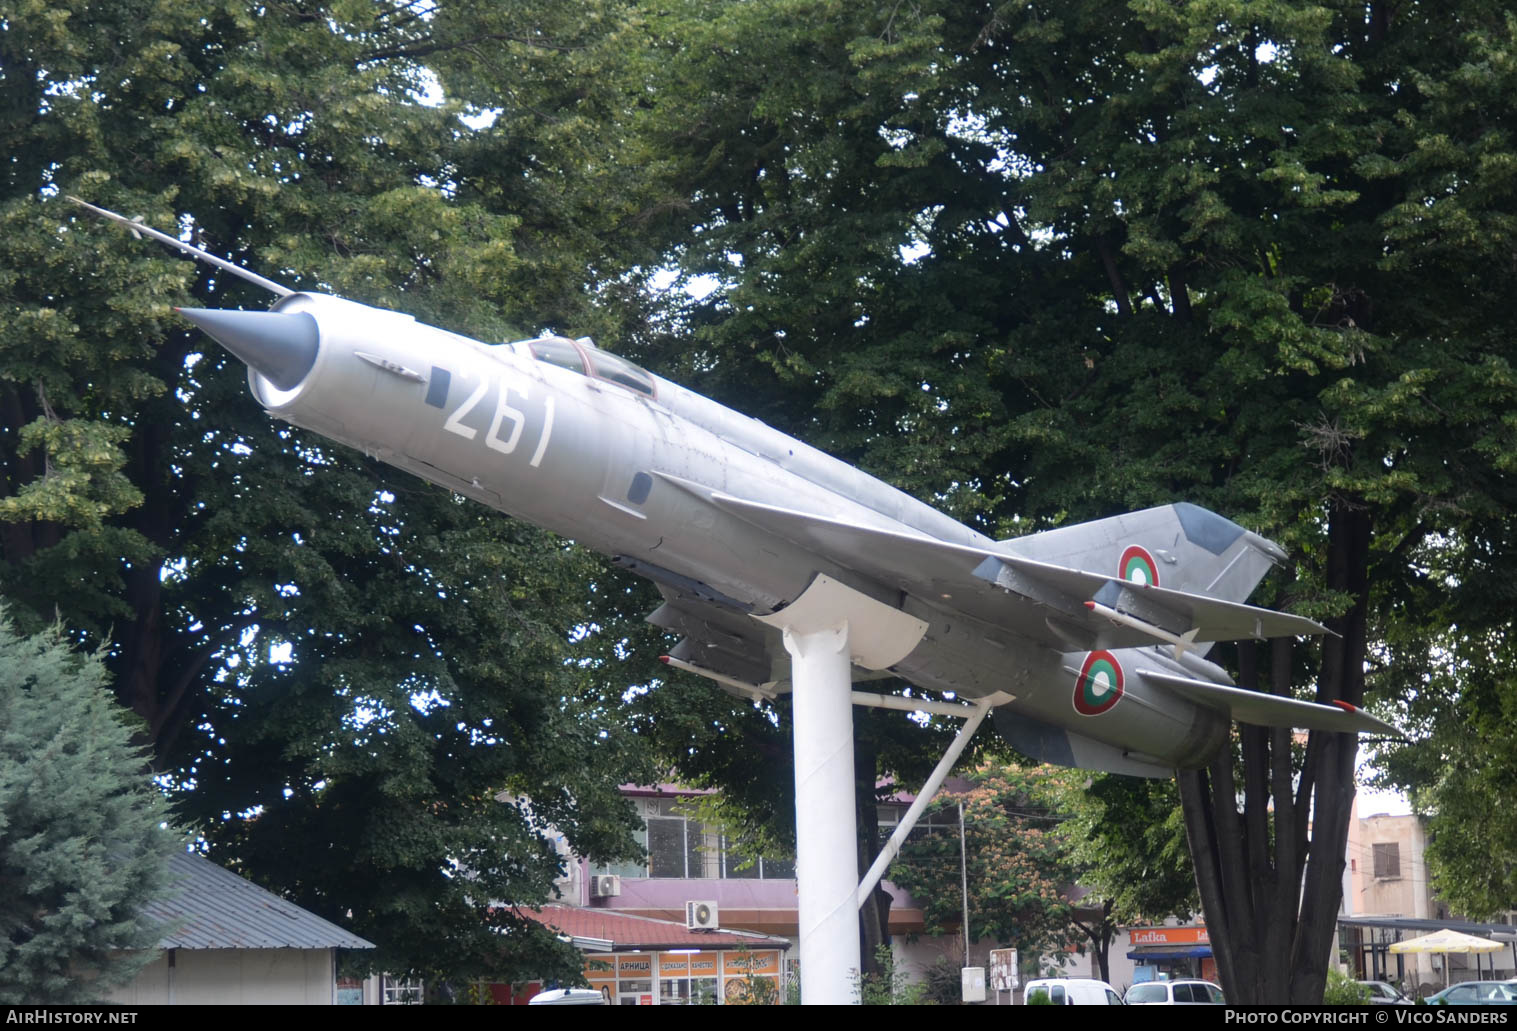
column 568, row 997
column 1074, row 991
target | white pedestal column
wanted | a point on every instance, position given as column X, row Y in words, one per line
column 826, row 842
column 828, row 629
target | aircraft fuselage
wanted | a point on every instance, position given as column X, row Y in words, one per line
column 626, row 468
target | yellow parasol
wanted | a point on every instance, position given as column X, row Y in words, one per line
column 1446, row 941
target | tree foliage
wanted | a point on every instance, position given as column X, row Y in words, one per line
column 1036, row 263
column 1048, row 262
column 1019, row 870
column 1127, row 839
column 1341, row 991
column 1466, row 709
column 1057, row 858
column 363, row 688
column 83, row 844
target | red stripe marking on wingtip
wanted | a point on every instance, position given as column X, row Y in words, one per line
column 1345, row 706
column 1090, row 604
column 663, row 658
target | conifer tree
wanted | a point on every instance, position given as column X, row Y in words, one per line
column 82, row 844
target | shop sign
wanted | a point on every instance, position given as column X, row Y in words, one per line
column 1169, row 936
column 637, row 965
column 737, row 962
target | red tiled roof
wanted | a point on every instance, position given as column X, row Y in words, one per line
column 628, row 932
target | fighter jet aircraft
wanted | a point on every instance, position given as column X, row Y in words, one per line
column 1097, row 630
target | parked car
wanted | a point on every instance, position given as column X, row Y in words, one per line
column 1073, row 991
column 1383, row 993
column 1476, row 993
column 568, row 997
column 1175, row 993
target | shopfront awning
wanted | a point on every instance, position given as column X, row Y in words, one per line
column 1170, row 952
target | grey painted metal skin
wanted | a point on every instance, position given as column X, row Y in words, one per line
column 212, row 908
column 733, row 519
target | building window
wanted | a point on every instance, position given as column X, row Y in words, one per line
column 683, row 848
column 890, row 815
column 739, row 863
column 629, row 870
column 674, row 847
column 402, row 992
column 1388, row 861
column 688, row 977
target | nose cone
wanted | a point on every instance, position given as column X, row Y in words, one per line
column 279, row 346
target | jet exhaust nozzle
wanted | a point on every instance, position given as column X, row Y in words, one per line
column 279, row 346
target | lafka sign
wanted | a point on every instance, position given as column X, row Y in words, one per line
column 1169, row 936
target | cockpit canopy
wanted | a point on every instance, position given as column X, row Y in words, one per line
column 585, row 358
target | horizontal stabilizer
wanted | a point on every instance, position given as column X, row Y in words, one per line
column 1177, row 612
column 1268, row 710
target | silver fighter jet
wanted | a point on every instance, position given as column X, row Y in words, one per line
column 1098, row 631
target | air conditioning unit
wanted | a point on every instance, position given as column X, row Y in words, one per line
column 701, row 916
column 605, row 886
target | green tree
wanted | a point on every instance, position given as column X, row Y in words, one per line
column 1464, row 710
column 888, row 986
column 1057, row 857
column 1019, row 870
column 1343, row 991
column 1126, row 840
column 363, row 688
column 1049, row 262
column 83, row 844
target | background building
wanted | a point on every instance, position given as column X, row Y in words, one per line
column 1388, row 898
column 690, row 862
column 641, row 961
column 228, row 941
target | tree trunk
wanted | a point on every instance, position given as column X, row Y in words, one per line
column 1114, row 276
column 874, row 915
column 1100, row 932
column 1271, row 941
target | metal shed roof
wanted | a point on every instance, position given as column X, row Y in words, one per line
column 212, row 908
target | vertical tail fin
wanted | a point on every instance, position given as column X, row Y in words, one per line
column 1181, row 546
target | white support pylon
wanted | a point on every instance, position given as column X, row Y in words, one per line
column 826, row 849
column 973, row 715
column 827, row 630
